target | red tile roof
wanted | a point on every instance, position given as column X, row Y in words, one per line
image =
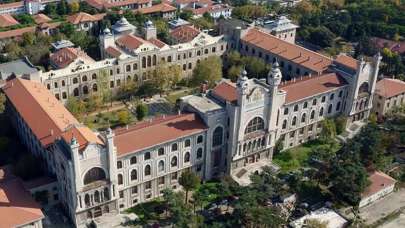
column 311, row 86
column 41, row 18
column 288, row 51
column 84, row 17
column 226, row 91
column 347, row 61
column 16, row 32
column 157, row 43
column 17, row 207
column 100, row 4
column 379, row 181
column 388, row 87
column 6, row 20
column 12, row 5
column 210, row 9
column 162, row 7
column 130, row 42
column 65, row 56
column 184, row 33
column 161, row 130
column 47, row 118
column 113, row 52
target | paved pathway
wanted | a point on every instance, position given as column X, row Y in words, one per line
column 383, row 207
column 396, row 223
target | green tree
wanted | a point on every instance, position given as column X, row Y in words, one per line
column 124, row 117
column 74, row 7
column 181, row 214
column 103, row 89
column 141, row 111
column 75, row 106
column 25, row 19
column 62, row 8
column 2, row 102
column 186, row 14
column 234, row 72
column 209, row 70
column 340, row 123
column 349, row 180
column 189, row 181
column 328, row 130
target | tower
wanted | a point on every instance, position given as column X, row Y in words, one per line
column 149, row 30
column 277, row 99
column 106, row 40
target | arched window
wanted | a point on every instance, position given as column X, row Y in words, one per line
column 305, row 105
column 187, row 157
column 106, row 194
column 285, row 111
column 312, row 114
column 199, row 153
column 120, row 180
column 85, row 90
column 338, row 106
column 63, row 83
column 256, row 124
column 84, row 78
column 295, row 108
column 94, row 76
column 314, row 102
column 76, row 92
column 161, row 166
column 89, row 215
column 96, row 197
column 284, row 124
column 200, row 139
column 330, row 108
column 94, row 174
column 143, row 62
column 149, row 61
column 75, row 80
column 363, row 88
column 321, row 112
column 135, row 66
column 217, row 136
column 161, row 151
column 154, row 60
column 119, row 164
column 303, row 118
column 146, row 156
column 147, row 170
column 94, row 87
column 173, row 162
column 87, row 200
column 294, row 121
column 133, row 160
column 187, row 143
column 134, row 175
column 174, row 147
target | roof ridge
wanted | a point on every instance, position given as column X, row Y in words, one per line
column 290, row 44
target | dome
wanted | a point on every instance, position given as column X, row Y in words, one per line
column 148, row 23
column 106, row 31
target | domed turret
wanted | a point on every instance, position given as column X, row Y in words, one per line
column 106, row 31
column 242, row 82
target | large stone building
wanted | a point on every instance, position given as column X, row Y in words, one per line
column 229, row 130
column 130, row 56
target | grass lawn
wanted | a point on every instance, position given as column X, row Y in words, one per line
column 173, row 96
column 104, row 120
column 297, row 157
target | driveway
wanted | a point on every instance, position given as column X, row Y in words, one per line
column 383, row 207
